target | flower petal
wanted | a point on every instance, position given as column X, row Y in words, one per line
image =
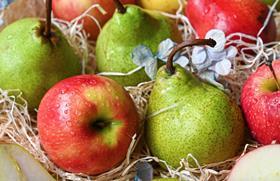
column 219, row 37
column 199, row 55
column 165, row 48
column 210, row 77
column 151, row 68
column 204, row 66
column 212, row 67
column 216, row 56
column 141, row 54
column 223, row 67
column 183, row 61
column 231, row 52
column 207, row 75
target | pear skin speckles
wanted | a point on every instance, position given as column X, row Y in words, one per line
column 205, row 122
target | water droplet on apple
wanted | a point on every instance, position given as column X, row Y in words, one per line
column 93, row 82
column 78, row 113
column 206, row 10
column 68, row 123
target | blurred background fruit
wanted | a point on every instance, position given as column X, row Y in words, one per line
column 70, row 9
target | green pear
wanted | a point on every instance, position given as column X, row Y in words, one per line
column 124, row 32
column 189, row 116
column 33, row 63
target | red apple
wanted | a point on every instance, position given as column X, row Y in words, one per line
column 260, row 100
column 86, row 124
column 231, row 16
column 70, row 9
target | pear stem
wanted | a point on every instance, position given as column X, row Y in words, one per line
column 197, row 42
column 269, row 64
column 48, row 18
column 120, row 7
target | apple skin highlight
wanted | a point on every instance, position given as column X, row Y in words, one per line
column 260, row 102
column 66, row 123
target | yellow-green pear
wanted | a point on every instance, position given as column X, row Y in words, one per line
column 130, row 27
column 33, row 61
column 189, row 116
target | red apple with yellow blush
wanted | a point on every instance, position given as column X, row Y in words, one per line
column 260, row 100
column 86, row 124
column 70, row 9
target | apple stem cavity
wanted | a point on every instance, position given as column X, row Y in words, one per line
column 269, row 64
column 197, row 42
column 100, row 124
column 48, row 18
column 120, row 7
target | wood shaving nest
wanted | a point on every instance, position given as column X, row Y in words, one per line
column 18, row 126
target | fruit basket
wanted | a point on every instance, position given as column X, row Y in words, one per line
column 18, row 125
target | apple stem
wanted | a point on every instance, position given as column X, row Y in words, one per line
column 269, row 64
column 48, row 18
column 100, row 124
column 197, row 42
column 120, row 7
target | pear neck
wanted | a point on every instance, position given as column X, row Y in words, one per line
column 197, row 42
column 119, row 6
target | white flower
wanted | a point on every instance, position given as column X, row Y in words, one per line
column 210, row 62
column 164, row 50
column 143, row 57
column 217, row 60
